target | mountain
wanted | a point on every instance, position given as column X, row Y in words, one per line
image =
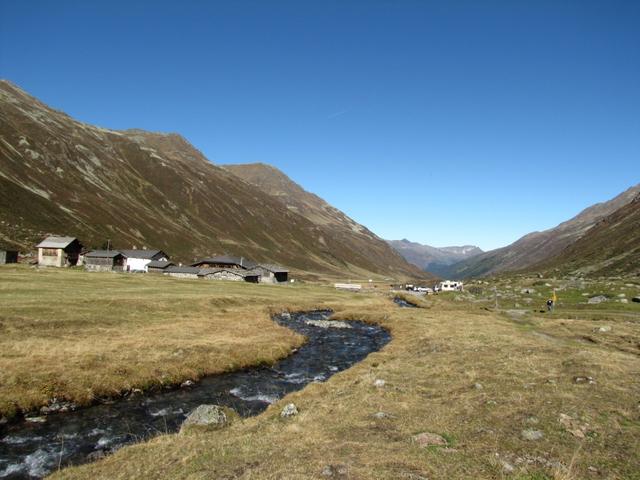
column 335, row 229
column 610, row 248
column 433, row 259
column 138, row 188
column 536, row 247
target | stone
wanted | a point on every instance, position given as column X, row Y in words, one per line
column 285, row 315
column 427, row 439
column 289, row 410
column 585, row 379
column 478, row 386
column 531, row 435
column 527, row 291
column 379, row 383
column 95, row 456
column 334, row 470
column 597, row 299
column 621, row 295
column 604, row 329
column 572, row 426
column 328, row 324
column 187, row 383
column 382, row 415
column 35, row 419
column 623, row 300
column 506, row 466
column 210, row 417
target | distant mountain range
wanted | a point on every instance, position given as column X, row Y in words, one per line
column 138, row 188
column 602, row 239
column 433, row 259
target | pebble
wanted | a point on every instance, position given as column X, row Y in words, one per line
column 580, row 380
column 289, row 410
column 379, row 383
column 478, row 386
column 531, row 435
column 426, row 439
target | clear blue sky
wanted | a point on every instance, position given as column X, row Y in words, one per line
column 444, row 122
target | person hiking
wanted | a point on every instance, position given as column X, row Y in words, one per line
column 549, row 305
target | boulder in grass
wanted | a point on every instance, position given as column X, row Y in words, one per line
column 289, row 410
column 428, row 439
column 208, row 417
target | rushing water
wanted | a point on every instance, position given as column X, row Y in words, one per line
column 31, row 450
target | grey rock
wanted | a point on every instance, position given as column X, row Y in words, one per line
column 506, row 466
column 328, row 324
column 379, row 383
column 95, row 456
column 597, row 299
column 35, row 419
column 478, row 386
column 382, row 415
column 289, row 410
column 603, row 329
column 427, row 439
column 621, row 295
column 334, row 470
column 207, row 416
column 585, row 379
column 531, row 435
column 623, row 300
column 187, row 383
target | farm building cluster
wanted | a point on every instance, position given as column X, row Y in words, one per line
column 68, row 251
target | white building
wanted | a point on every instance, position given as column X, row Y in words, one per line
column 449, row 286
column 137, row 260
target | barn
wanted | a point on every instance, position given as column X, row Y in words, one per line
column 8, row 256
column 58, row 252
column 104, row 261
column 272, row 273
column 230, row 274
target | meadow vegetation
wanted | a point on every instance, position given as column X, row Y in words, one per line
column 515, row 393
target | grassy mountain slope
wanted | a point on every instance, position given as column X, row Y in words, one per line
column 335, row 229
column 610, row 248
column 61, row 176
column 536, row 247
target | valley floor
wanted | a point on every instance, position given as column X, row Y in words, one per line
column 513, row 395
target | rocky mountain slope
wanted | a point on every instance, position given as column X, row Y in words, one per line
column 537, row 247
column 610, row 248
column 335, row 229
column 137, row 188
column 433, row 259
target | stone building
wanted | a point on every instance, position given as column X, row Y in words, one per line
column 59, row 252
column 8, row 256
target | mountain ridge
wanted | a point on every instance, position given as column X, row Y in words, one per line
column 139, row 188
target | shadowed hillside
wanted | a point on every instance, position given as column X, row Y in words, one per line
column 137, row 188
column 537, row 247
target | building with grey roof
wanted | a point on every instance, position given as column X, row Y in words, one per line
column 56, row 251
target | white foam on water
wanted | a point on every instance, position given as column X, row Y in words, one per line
column 38, row 461
column 19, row 440
column 12, row 470
column 237, row 392
column 160, row 413
column 296, row 377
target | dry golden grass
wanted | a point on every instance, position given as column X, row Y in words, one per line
column 80, row 336
column 525, row 368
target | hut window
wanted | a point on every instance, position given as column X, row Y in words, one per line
column 50, row 252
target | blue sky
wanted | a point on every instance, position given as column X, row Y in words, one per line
column 447, row 122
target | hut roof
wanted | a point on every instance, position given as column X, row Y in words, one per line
column 56, row 242
column 227, row 260
column 159, row 264
column 142, row 253
column 273, row 268
column 175, row 269
column 103, row 254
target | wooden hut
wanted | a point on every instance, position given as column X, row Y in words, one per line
column 104, row 261
column 58, row 252
column 8, row 256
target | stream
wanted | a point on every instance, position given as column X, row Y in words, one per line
column 32, row 450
